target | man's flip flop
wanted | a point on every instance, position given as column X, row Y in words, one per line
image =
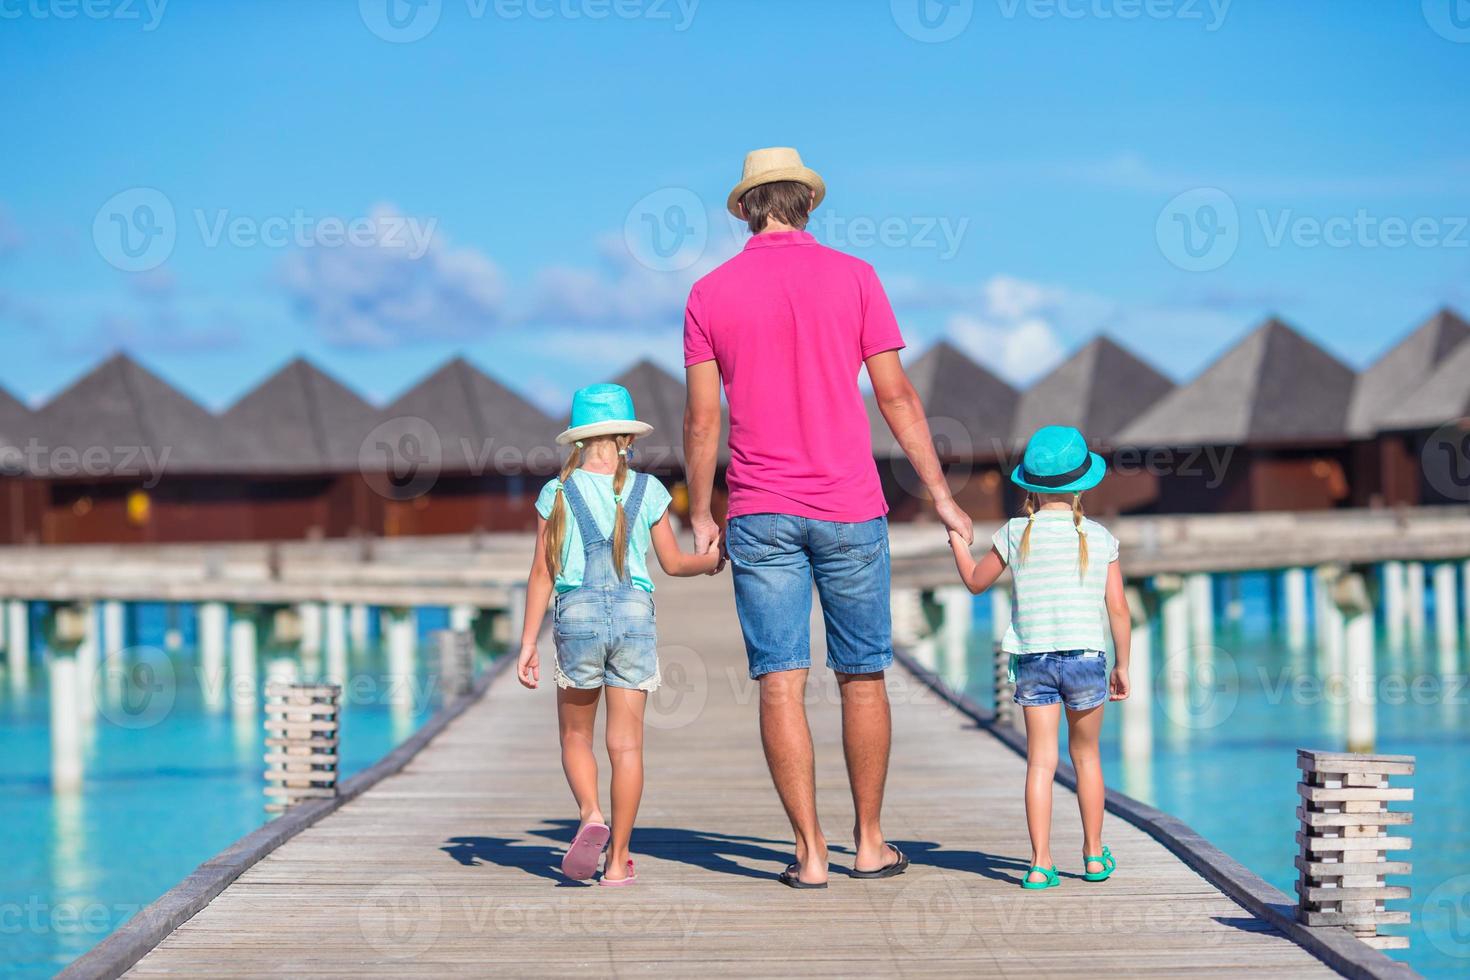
column 580, row 862
column 791, row 878
column 898, row 867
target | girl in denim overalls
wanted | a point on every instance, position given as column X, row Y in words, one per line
column 597, row 521
column 1067, row 594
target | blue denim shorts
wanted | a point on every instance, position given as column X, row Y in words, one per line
column 606, row 637
column 1076, row 678
column 775, row 559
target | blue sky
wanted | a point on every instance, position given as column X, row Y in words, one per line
column 1019, row 186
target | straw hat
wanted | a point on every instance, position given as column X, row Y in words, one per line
column 770, row 165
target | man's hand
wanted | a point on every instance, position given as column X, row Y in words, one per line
column 955, row 519
column 706, row 533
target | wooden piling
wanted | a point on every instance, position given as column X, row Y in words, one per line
column 1343, row 842
column 456, row 663
column 302, row 723
column 1007, row 711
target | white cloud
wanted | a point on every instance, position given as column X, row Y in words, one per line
column 387, row 294
column 1020, row 350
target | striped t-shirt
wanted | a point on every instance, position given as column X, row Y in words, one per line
column 1053, row 606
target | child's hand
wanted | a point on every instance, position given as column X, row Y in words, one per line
column 528, row 666
column 1118, row 684
column 957, row 541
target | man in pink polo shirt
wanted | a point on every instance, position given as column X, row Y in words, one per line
column 787, row 325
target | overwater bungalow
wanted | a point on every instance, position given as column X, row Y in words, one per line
column 1393, row 405
column 123, row 456
column 1100, row 390
column 302, row 435
column 17, row 422
column 1262, row 428
column 971, row 415
column 1429, row 429
column 659, row 397
column 467, row 454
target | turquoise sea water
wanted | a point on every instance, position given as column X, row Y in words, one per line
column 1219, row 750
column 170, row 774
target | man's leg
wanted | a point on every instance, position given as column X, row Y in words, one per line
column 850, row 565
column 773, row 598
column 866, row 733
column 787, row 739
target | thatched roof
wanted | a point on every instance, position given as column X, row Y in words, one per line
column 1442, row 397
column 1099, row 390
column 482, row 425
column 971, row 411
column 312, row 422
column 1273, row 387
column 120, row 416
column 659, row 398
column 1396, row 378
column 17, row 426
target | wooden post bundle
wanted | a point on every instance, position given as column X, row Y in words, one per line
column 1344, row 842
column 456, row 663
column 301, row 734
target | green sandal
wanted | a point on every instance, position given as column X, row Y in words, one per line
column 1052, row 879
column 1105, row 859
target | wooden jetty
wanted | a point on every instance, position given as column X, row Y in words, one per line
column 448, row 866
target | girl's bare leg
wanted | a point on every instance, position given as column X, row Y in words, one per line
column 625, row 752
column 1041, row 770
column 1083, row 729
column 576, row 712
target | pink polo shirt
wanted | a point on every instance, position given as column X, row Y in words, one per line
column 790, row 322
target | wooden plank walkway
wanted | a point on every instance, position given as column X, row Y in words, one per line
column 449, row 867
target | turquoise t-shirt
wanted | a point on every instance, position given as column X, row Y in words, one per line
column 596, row 490
column 1054, row 606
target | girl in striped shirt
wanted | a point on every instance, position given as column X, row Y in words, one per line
column 1068, row 589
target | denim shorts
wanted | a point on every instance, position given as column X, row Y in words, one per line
column 606, row 637
column 775, row 559
column 1076, row 678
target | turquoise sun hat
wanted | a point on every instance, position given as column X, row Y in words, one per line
column 1057, row 461
column 602, row 410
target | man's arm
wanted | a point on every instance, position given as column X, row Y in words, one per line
column 904, row 413
column 701, row 444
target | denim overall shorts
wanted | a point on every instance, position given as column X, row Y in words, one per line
column 605, row 629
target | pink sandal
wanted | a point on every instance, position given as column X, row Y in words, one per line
column 619, row 882
column 580, row 862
